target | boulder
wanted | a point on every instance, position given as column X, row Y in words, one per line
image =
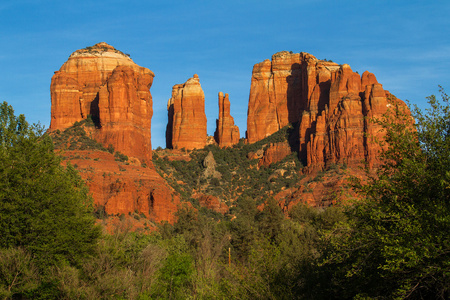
column 274, row 153
column 209, row 163
column 213, row 203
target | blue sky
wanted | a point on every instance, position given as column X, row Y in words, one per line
column 406, row 44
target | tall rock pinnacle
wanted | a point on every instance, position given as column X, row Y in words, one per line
column 226, row 134
column 187, row 118
column 106, row 84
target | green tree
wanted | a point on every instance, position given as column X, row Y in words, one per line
column 174, row 280
column 45, row 208
column 396, row 244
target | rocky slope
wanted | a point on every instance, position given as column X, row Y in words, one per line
column 187, row 119
column 104, row 83
column 120, row 185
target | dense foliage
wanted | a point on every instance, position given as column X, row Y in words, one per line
column 45, row 210
column 396, row 244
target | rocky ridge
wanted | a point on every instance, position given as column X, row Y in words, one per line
column 331, row 104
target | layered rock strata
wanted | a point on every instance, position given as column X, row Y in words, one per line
column 187, row 119
column 227, row 133
column 105, row 84
column 119, row 188
column 332, row 104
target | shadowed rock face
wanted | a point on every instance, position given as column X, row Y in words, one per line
column 332, row 104
column 275, row 153
column 106, row 84
column 187, row 118
column 226, row 134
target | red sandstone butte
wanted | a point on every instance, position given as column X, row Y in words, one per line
column 226, row 134
column 332, row 104
column 187, row 119
column 106, row 84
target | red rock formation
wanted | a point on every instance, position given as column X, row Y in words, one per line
column 275, row 153
column 227, row 134
column 213, row 203
column 123, row 189
column 332, row 104
column 105, row 83
column 187, row 118
column 279, row 92
column 343, row 132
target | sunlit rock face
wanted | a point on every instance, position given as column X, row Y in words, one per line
column 104, row 83
column 187, row 119
column 332, row 105
column 119, row 188
column 227, row 133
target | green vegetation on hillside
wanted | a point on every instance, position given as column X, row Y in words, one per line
column 76, row 138
column 239, row 176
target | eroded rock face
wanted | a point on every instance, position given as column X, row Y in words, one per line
column 187, row 118
column 213, row 203
column 106, row 84
column 226, row 134
column 275, row 153
column 332, row 104
column 279, row 92
column 209, row 163
column 120, row 188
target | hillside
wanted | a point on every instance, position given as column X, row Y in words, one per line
column 269, row 168
column 309, row 128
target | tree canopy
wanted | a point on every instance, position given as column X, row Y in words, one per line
column 44, row 207
column 396, row 244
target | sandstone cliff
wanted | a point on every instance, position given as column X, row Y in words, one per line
column 226, row 134
column 104, row 83
column 121, row 188
column 187, row 119
column 332, row 104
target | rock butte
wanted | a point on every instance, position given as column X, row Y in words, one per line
column 187, row 119
column 331, row 104
column 106, row 84
column 226, row 134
